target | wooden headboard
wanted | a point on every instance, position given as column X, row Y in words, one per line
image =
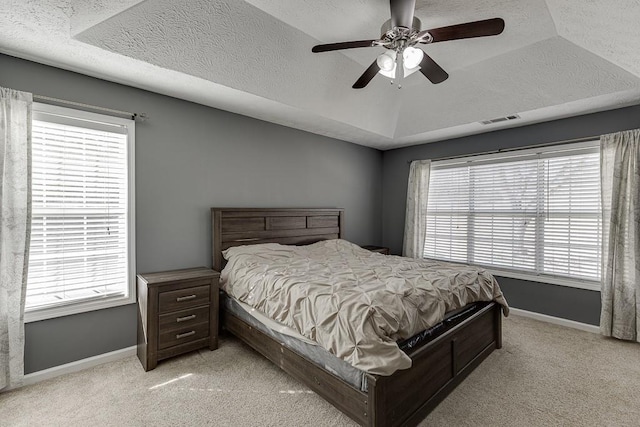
column 290, row 226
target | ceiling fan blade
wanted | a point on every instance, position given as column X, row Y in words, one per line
column 342, row 45
column 366, row 77
column 487, row 27
column 432, row 71
column 402, row 13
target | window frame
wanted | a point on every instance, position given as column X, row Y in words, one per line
column 510, row 155
column 73, row 116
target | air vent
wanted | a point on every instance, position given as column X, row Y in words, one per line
column 500, row 119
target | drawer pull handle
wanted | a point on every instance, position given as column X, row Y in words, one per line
column 187, row 298
column 186, row 334
column 185, row 318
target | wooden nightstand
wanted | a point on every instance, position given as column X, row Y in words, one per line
column 380, row 249
column 177, row 313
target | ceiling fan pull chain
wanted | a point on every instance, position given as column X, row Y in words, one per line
column 399, row 69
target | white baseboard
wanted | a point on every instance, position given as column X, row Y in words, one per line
column 555, row 320
column 78, row 365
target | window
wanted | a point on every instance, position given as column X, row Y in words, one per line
column 81, row 256
column 531, row 212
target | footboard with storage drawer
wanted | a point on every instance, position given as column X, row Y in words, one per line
column 177, row 313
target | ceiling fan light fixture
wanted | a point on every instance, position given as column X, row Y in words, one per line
column 412, row 57
column 387, row 61
column 401, row 33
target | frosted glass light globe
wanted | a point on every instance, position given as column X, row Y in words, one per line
column 412, row 57
column 387, row 60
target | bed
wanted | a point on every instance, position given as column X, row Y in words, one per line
column 402, row 398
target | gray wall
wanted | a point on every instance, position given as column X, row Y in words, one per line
column 188, row 159
column 569, row 303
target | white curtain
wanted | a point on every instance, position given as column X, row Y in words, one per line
column 620, row 175
column 415, row 223
column 15, row 228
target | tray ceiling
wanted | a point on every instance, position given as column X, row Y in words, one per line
column 556, row 58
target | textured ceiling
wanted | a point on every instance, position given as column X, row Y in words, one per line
column 556, row 58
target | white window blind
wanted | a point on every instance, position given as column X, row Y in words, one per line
column 80, row 236
column 536, row 212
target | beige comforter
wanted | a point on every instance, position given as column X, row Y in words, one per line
column 353, row 302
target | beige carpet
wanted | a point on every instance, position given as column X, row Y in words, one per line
column 545, row 375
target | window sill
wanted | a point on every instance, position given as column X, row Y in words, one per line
column 36, row 315
column 552, row 280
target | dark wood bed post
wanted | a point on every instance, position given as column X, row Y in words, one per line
column 401, row 399
column 497, row 323
column 216, row 238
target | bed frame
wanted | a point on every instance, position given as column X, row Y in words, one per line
column 405, row 397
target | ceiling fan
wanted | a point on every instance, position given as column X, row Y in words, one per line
column 401, row 34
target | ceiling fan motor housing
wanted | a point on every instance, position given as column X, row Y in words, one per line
column 415, row 26
column 397, row 38
column 387, row 31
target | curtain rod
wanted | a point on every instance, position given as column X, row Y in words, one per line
column 47, row 99
column 506, row 150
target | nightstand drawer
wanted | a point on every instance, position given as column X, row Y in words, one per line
column 184, row 318
column 183, row 335
column 184, row 298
